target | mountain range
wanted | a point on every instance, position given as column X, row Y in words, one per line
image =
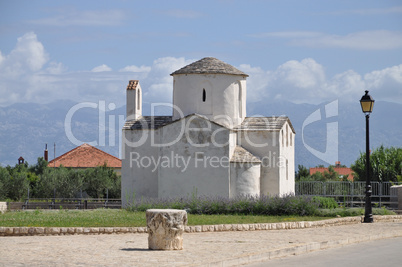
column 26, row 128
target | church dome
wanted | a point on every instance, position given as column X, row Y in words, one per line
column 211, row 88
column 209, row 65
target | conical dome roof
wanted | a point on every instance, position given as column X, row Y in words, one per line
column 209, row 65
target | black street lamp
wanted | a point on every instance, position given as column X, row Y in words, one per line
column 367, row 103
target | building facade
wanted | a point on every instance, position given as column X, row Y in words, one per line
column 208, row 145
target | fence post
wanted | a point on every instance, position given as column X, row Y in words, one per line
column 352, row 187
column 107, row 197
column 54, row 198
column 379, row 193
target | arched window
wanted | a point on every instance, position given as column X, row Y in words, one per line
column 203, row 100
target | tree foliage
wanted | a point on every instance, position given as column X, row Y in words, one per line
column 385, row 165
column 45, row 182
column 303, row 174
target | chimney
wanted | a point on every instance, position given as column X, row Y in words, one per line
column 134, row 100
column 337, row 164
column 46, row 154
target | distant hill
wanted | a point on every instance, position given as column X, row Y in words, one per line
column 26, row 128
column 385, row 128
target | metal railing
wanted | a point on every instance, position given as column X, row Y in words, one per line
column 349, row 194
column 70, row 203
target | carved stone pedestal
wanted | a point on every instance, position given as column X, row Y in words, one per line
column 165, row 228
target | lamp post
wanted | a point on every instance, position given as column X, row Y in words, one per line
column 367, row 103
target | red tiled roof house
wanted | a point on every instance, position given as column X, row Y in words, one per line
column 340, row 170
column 86, row 156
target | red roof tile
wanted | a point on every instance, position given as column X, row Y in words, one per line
column 85, row 156
column 339, row 170
column 132, row 85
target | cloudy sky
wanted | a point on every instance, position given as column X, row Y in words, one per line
column 301, row 51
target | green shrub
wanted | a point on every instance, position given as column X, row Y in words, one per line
column 383, row 211
column 347, row 212
column 325, row 202
column 244, row 205
column 341, row 212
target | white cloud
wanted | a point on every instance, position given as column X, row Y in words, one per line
column 372, row 11
column 306, row 82
column 386, row 82
column 1, row 58
column 26, row 75
column 347, row 83
column 366, row 40
column 101, row 68
column 134, row 68
column 299, row 82
column 73, row 17
column 160, row 83
column 304, row 74
column 28, row 55
column 56, row 68
column 257, row 82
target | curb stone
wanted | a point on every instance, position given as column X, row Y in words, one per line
column 31, row 231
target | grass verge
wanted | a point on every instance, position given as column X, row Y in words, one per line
column 124, row 218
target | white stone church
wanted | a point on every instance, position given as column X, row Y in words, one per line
column 208, row 146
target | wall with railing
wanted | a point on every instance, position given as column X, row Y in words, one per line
column 349, row 194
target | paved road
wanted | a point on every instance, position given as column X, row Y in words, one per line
column 386, row 252
column 205, row 249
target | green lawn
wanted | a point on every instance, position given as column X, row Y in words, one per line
column 123, row 218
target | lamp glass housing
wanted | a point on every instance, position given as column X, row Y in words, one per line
column 367, row 103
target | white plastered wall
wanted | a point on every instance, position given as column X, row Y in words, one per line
column 220, row 102
column 207, row 166
column 264, row 144
column 287, row 168
column 137, row 179
column 244, row 179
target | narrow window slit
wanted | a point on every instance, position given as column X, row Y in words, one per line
column 204, row 95
column 138, row 99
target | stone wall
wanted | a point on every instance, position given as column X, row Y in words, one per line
column 15, row 205
column 3, row 207
column 30, row 231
